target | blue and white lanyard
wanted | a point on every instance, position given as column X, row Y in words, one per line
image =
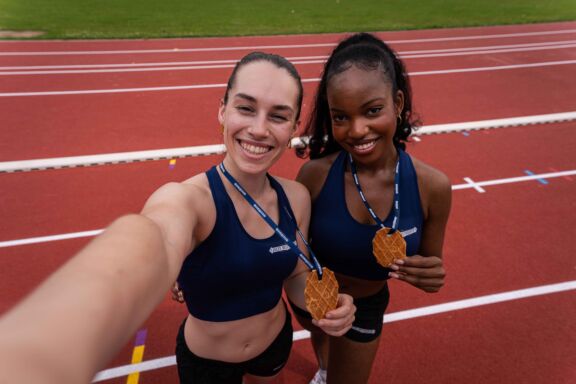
column 293, row 245
column 396, row 220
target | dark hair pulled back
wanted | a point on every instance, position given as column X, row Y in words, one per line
column 368, row 52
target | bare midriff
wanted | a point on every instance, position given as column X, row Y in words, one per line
column 234, row 341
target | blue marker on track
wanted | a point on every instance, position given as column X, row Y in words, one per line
column 541, row 181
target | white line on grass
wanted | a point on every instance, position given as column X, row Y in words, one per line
column 282, row 46
column 389, row 318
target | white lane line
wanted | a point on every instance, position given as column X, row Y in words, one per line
column 45, row 239
column 476, row 185
column 388, row 318
column 311, row 80
column 215, row 64
column 111, row 158
column 495, row 68
column 489, row 47
column 514, row 179
column 282, row 46
column 497, row 123
column 119, row 90
column 127, row 157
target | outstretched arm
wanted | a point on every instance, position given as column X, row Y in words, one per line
column 72, row 324
column 75, row 321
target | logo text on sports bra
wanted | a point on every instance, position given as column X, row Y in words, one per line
column 279, row 248
column 409, row 232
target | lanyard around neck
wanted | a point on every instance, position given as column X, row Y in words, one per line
column 396, row 220
column 272, row 224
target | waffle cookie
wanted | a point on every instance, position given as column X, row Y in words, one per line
column 321, row 295
column 388, row 248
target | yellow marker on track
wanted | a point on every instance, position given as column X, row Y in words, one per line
column 137, row 355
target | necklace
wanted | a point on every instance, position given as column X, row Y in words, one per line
column 388, row 244
column 321, row 291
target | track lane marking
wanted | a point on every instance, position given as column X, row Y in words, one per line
column 478, row 188
column 310, row 80
column 475, row 185
column 216, row 64
column 215, row 149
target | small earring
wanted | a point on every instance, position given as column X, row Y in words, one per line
column 222, row 128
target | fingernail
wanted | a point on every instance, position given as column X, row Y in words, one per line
column 399, row 262
column 394, row 267
column 393, row 275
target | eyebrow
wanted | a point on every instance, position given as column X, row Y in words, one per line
column 252, row 99
column 371, row 101
column 245, row 96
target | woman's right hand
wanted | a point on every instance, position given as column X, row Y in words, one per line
column 339, row 320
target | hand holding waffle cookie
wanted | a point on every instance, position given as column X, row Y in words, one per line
column 424, row 272
column 331, row 311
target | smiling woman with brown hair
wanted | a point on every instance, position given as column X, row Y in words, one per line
column 214, row 233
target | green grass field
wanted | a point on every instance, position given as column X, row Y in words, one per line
column 74, row 19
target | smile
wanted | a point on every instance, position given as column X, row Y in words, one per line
column 365, row 146
column 255, row 149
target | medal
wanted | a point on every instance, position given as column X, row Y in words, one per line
column 388, row 248
column 321, row 295
column 321, row 292
column 388, row 244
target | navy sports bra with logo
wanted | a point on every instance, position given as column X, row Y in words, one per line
column 232, row 275
column 343, row 244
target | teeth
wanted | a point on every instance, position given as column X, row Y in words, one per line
column 362, row 147
column 255, row 149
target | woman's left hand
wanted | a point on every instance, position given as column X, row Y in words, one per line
column 339, row 320
column 424, row 272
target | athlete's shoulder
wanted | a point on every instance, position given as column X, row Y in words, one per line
column 435, row 189
column 314, row 172
column 434, row 179
column 293, row 189
column 193, row 187
column 318, row 166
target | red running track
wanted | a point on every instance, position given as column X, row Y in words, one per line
column 512, row 237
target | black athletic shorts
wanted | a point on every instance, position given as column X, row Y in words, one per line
column 369, row 315
column 194, row 369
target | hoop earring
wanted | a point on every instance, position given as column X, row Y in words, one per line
column 406, row 129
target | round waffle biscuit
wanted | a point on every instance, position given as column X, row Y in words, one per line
column 321, row 295
column 388, row 248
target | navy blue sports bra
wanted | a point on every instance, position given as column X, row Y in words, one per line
column 232, row 275
column 345, row 245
